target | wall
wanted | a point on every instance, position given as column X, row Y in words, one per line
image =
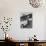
column 15, row 8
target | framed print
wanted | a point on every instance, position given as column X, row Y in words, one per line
column 26, row 21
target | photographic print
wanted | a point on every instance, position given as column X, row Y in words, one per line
column 26, row 21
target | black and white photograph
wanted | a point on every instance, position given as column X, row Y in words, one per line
column 26, row 21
